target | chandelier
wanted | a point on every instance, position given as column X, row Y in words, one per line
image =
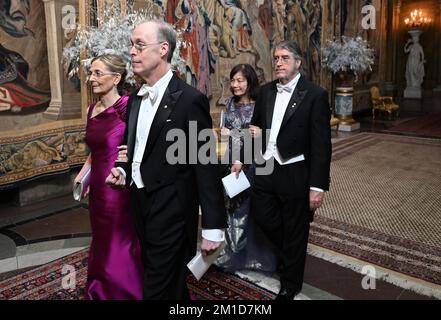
column 417, row 19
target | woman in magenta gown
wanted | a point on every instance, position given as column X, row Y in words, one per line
column 115, row 269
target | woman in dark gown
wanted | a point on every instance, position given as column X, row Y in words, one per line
column 115, row 269
column 247, row 247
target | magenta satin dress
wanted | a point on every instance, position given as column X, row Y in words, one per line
column 115, row 269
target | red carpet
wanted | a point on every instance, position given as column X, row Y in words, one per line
column 46, row 283
column 427, row 126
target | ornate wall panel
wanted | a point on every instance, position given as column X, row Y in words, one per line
column 43, row 152
column 36, row 99
column 350, row 17
column 223, row 33
column 219, row 34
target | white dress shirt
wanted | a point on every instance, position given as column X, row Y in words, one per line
column 147, row 112
column 282, row 100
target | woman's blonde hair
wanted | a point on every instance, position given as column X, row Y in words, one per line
column 116, row 64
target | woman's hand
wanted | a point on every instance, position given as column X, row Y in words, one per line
column 237, row 167
column 87, row 192
column 225, row 131
column 255, row 131
column 122, row 154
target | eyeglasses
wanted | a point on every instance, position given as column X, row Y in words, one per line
column 99, row 74
column 284, row 59
column 139, row 47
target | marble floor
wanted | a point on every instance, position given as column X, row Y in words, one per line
column 42, row 232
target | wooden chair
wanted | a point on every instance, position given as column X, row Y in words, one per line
column 383, row 103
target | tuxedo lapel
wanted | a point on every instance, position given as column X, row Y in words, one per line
column 165, row 108
column 295, row 101
column 132, row 123
column 271, row 100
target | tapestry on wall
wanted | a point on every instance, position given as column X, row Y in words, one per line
column 46, row 152
column 24, row 75
column 34, row 95
column 218, row 34
column 223, row 33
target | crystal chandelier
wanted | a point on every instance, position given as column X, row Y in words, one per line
column 417, row 19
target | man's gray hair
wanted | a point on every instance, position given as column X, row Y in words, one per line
column 291, row 46
column 294, row 48
column 166, row 33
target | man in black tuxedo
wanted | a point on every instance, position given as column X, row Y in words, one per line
column 293, row 115
column 166, row 196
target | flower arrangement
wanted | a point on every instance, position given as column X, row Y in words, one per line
column 349, row 54
column 111, row 36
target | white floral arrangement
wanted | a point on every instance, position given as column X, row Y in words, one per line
column 112, row 36
column 348, row 54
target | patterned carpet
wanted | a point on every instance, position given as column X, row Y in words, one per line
column 428, row 126
column 384, row 204
column 46, row 283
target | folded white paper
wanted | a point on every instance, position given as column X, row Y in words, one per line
column 80, row 187
column 233, row 186
column 200, row 264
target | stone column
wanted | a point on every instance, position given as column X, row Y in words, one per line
column 394, row 12
column 390, row 59
column 54, row 109
column 65, row 100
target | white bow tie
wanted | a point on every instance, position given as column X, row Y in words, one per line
column 281, row 88
column 152, row 92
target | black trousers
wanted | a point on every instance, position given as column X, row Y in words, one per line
column 282, row 211
column 160, row 225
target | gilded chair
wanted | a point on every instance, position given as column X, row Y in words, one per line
column 382, row 103
column 335, row 122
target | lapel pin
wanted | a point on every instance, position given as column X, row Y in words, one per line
column 165, row 107
column 293, row 105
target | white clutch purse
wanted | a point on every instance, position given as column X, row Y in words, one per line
column 80, row 187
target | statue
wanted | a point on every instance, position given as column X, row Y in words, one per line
column 414, row 66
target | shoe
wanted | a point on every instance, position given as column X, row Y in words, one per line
column 287, row 294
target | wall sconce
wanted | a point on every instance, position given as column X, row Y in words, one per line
column 417, row 19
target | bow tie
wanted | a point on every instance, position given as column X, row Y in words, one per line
column 152, row 92
column 281, row 88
